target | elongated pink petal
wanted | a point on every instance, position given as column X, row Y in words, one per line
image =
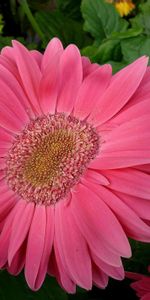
column 129, row 181
column 20, row 227
column 29, row 72
column 5, row 238
column 146, row 297
column 120, row 91
column 132, row 112
column 49, row 86
column 9, row 99
column 6, row 136
column 9, row 120
column 37, row 56
column 74, row 250
column 91, row 212
column 100, row 279
column 143, row 90
column 138, row 205
column 8, row 53
column 91, row 91
column 70, row 78
column 18, row 261
column 53, row 48
column 96, row 177
column 7, row 202
column 114, row 272
column 88, row 67
column 121, row 135
column 35, row 245
column 49, row 236
column 132, row 224
column 13, row 86
column 64, row 278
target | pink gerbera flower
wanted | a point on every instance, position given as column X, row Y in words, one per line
column 141, row 285
column 74, row 155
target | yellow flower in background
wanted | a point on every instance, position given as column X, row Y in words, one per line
column 124, row 7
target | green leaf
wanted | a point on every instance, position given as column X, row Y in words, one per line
column 101, row 19
column 143, row 18
column 116, row 65
column 101, row 54
column 56, row 24
column 133, row 48
column 131, row 32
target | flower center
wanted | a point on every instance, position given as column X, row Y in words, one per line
column 48, row 158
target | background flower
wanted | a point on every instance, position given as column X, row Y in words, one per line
column 141, row 285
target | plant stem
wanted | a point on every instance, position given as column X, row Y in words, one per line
column 31, row 19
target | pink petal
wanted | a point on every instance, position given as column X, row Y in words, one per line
column 96, row 177
column 91, row 91
column 8, row 53
column 5, row 136
column 120, row 159
column 37, row 56
column 132, row 112
column 64, row 278
column 18, row 261
column 49, row 85
column 144, row 168
column 29, row 72
column 20, row 227
column 9, row 120
column 20, row 100
column 120, row 91
column 70, row 78
column 49, row 236
column 7, row 202
column 5, row 238
column 74, row 250
column 131, row 129
column 114, row 272
column 100, row 279
column 133, row 275
column 140, row 206
column 146, row 297
column 143, row 91
column 35, row 245
column 129, row 181
column 53, row 48
column 132, row 224
column 9, row 99
column 88, row 67
column 98, row 224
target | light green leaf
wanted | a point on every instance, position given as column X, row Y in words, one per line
column 116, row 65
column 133, row 48
column 101, row 19
column 143, row 18
column 102, row 53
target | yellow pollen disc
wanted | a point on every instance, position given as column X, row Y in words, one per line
column 49, row 156
column 45, row 162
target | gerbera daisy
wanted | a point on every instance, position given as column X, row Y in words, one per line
column 75, row 154
column 141, row 285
